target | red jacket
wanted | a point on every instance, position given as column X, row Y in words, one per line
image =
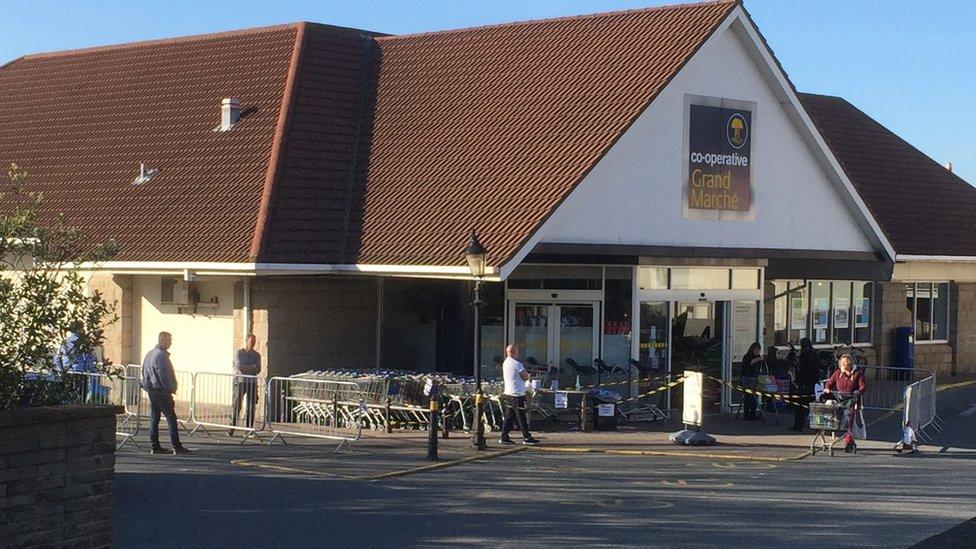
column 847, row 383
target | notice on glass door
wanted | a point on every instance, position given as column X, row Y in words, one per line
column 743, row 327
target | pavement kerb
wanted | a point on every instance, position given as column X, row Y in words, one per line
column 666, row 453
column 958, row 384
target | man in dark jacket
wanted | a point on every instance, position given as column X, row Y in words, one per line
column 159, row 381
column 807, row 372
column 247, row 363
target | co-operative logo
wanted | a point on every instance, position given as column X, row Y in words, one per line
column 737, row 131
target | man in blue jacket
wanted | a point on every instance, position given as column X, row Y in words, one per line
column 73, row 360
column 159, row 381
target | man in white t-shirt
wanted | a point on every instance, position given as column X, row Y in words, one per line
column 514, row 397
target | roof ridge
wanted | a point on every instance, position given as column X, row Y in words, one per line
column 161, row 41
column 664, row 7
column 277, row 144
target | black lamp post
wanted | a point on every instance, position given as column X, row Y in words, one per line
column 475, row 254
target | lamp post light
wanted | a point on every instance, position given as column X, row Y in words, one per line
column 475, row 255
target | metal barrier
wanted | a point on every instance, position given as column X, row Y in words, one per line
column 182, row 400
column 98, row 388
column 228, row 401
column 920, row 409
column 333, row 410
column 886, row 386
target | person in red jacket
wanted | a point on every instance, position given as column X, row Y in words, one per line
column 848, row 381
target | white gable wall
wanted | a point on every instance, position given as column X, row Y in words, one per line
column 634, row 194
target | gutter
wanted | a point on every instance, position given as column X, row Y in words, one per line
column 903, row 258
column 267, row 269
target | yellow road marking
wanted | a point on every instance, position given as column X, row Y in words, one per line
column 697, row 483
column 389, row 474
column 956, row 385
column 666, row 453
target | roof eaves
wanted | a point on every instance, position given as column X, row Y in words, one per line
column 277, row 145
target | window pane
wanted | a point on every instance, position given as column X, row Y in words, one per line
column 492, row 326
column 820, row 311
column 862, row 312
column 745, row 279
column 798, row 311
column 616, row 316
column 685, row 278
column 780, row 312
column 910, row 304
column 652, row 278
column 841, row 304
column 940, row 311
column 923, row 311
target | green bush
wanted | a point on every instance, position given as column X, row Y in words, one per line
column 43, row 264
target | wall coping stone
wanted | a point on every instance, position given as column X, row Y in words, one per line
column 19, row 417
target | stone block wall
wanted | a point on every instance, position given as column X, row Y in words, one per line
column 962, row 327
column 890, row 312
column 57, row 476
column 305, row 323
column 117, row 290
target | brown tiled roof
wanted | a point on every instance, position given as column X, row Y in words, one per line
column 356, row 148
column 81, row 122
column 923, row 208
column 490, row 128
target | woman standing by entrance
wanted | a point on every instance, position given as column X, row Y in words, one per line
column 750, row 374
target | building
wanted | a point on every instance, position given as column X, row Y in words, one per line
column 648, row 184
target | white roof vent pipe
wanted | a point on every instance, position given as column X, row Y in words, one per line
column 145, row 174
column 230, row 113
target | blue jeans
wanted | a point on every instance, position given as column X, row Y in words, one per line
column 161, row 402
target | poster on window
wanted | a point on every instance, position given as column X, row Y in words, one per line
column 798, row 312
column 842, row 312
column 744, row 314
column 862, row 315
column 821, row 313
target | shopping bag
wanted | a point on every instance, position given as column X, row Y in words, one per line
column 859, row 429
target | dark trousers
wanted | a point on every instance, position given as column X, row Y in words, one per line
column 749, row 405
column 161, row 403
column 245, row 392
column 799, row 412
column 515, row 411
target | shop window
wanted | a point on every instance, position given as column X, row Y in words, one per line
column 841, row 312
column 745, row 279
column 690, row 278
column 928, row 303
column 828, row 312
column 492, row 326
column 618, row 291
column 862, row 312
column 940, row 310
column 556, row 277
column 820, row 311
column 652, row 278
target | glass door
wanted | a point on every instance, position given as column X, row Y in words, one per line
column 531, row 332
column 576, row 338
column 699, row 342
column 552, row 334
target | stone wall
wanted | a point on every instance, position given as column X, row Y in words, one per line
column 890, row 312
column 57, row 477
column 117, row 290
column 307, row 323
column 962, row 327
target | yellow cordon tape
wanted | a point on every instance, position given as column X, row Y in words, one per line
column 791, row 399
column 662, row 388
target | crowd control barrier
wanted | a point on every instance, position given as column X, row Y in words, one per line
column 182, row 400
column 98, row 388
column 333, row 410
column 886, row 386
column 228, row 401
column 920, row 410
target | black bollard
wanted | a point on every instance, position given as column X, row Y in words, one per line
column 432, row 430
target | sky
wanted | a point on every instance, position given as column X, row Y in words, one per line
column 906, row 63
